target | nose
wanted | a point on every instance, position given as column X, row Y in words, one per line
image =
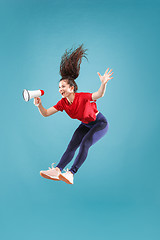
column 60, row 91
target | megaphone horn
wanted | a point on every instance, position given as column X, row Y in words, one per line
column 27, row 95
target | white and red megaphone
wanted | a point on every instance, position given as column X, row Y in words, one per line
column 27, row 95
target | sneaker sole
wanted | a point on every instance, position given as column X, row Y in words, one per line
column 46, row 176
column 62, row 178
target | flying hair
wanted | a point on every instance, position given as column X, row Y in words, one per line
column 70, row 62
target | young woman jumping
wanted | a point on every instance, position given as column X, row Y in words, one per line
column 81, row 106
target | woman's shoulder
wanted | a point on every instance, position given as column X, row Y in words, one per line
column 85, row 95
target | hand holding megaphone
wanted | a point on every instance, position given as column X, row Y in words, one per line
column 37, row 101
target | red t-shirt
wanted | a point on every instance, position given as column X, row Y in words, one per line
column 83, row 107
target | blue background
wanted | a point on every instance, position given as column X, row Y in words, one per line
column 116, row 191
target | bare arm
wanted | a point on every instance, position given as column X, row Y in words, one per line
column 51, row 111
column 45, row 112
column 100, row 92
column 104, row 79
column 42, row 110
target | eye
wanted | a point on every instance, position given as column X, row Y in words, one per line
column 62, row 86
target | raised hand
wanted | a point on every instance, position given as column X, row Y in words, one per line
column 106, row 77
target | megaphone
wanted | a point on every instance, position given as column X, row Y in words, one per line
column 27, row 95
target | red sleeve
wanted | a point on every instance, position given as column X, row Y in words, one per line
column 59, row 106
column 87, row 96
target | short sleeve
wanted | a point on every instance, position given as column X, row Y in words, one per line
column 87, row 96
column 59, row 106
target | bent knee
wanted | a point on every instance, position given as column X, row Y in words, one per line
column 104, row 124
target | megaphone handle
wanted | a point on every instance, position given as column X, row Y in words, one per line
column 35, row 104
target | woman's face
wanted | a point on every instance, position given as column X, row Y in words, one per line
column 65, row 89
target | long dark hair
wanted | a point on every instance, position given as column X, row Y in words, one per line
column 70, row 65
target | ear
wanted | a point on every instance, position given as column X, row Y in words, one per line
column 72, row 89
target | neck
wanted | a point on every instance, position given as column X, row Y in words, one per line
column 70, row 98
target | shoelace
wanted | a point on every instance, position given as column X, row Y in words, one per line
column 52, row 166
column 67, row 171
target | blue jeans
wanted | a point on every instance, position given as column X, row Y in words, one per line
column 84, row 137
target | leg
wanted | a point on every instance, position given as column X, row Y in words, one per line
column 77, row 137
column 94, row 134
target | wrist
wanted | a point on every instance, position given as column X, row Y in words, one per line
column 103, row 83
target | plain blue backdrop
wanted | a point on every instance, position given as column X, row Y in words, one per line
column 116, row 191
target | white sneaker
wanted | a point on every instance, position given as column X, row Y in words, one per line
column 66, row 177
column 52, row 173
